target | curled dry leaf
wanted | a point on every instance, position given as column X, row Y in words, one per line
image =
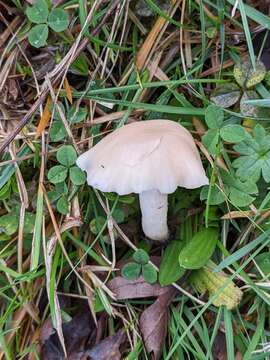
column 153, row 322
column 134, row 289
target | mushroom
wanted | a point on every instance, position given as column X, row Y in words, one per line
column 151, row 158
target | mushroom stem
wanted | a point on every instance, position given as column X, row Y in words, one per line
column 154, row 208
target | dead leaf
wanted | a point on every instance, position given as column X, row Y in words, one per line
column 77, row 332
column 45, row 118
column 46, row 331
column 68, row 91
column 108, row 349
column 219, row 347
column 153, row 322
column 127, row 289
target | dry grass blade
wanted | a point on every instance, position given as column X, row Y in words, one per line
column 45, row 118
column 149, row 44
column 68, row 90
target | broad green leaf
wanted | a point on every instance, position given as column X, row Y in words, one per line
column 239, row 192
column 62, row 205
column 240, row 198
column 75, row 116
column 118, row 215
column 9, row 224
column 141, row 256
column 77, row 176
column 170, row 270
column 254, row 159
column 53, row 196
column 131, row 271
column 61, row 188
column 58, row 131
column 38, row 35
column 211, row 141
column 149, row 273
column 38, row 13
column 216, row 197
column 199, row 249
column 57, row 174
column 226, row 95
column 232, row 133
column 97, row 224
column 246, row 76
column 214, row 117
column 66, row 155
column 58, row 20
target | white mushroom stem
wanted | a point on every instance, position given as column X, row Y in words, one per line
column 154, row 208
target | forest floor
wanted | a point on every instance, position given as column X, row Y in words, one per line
column 78, row 277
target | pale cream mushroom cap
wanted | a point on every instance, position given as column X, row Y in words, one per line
column 146, row 155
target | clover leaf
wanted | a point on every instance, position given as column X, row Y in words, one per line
column 240, row 193
column 38, row 35
column 131, row 271
column 247, row 76
column 38, row 13
column 254, row 159
column 220, row 129
column 66, row 155
column 226, row 95
column 58, row 20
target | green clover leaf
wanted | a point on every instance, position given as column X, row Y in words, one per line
column 38, row 13
column 254, row 159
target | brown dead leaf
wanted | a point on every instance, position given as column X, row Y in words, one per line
column 219, row 347
column 153, row 322
column 68, row 91
column 127, row 289
column 45, row 118
column 78, row 332
column 108, row 349
column 46, row 331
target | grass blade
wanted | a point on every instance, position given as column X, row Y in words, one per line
column 229, row 334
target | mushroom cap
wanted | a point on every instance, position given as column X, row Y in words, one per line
column 146, row 155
